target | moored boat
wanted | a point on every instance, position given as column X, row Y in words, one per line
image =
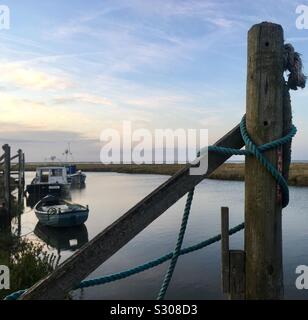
column 56, row 212
column 75, row 177
column 49, row 180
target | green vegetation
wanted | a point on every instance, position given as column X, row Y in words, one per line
column 228, row 171
column 27, row 261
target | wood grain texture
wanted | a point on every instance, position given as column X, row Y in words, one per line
column 237, row 275
column 265, row 122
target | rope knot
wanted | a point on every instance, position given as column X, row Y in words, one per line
column 293, row 63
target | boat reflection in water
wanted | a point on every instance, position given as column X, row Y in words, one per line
column 63, row 239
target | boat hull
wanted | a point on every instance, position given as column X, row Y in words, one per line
column 75, row 218
column 77, row 179
column 41, row 190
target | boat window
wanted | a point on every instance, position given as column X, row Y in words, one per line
column 56, row 172
column 44, row 175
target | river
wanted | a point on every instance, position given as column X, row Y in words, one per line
column 197, row 275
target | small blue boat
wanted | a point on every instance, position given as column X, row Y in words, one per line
column 56, row 212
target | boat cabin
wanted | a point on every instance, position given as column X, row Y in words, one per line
column 51, row 175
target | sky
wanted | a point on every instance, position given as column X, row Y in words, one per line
column 70, row 69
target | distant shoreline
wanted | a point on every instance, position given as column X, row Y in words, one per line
column 228, row 171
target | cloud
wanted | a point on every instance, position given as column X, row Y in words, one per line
column 15, row 132
column 83, row 98
column 25, row 77
column 42, row 116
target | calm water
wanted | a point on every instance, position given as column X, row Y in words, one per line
column 197, row 275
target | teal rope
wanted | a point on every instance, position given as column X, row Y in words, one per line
column 257, row 151
column 178, row 247
column 143, row 267
column 251, row 149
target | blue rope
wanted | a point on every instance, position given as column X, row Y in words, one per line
column 251, row 149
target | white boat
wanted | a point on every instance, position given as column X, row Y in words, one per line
column 49, row 180
column 55, row 212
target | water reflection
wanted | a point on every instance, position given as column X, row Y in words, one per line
column 197, row 275
column 62, row 239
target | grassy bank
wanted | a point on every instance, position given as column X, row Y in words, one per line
column 228, row 171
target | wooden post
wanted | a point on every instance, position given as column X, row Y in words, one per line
column 23, row 169
column 232, row 263
column 7, row 177
column 225, row 263
column 264, row 120
column 237, row 274
column 20, row 187
column 20, row 170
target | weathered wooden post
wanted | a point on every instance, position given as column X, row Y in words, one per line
column 264, row 121
column 7, row 177
column 225, row 262
column 20, row 170
column 23, row 169
column 20, row 187
column 232, row 263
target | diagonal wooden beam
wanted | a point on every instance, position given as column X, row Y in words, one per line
column 76, row 268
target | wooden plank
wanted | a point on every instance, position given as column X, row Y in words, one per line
column 76, row 268
column 237, row 275
column 264, row 121
column 225, row 264
column 14, row 157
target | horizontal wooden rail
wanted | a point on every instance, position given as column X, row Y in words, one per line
column 14, row 157
column 77, row 267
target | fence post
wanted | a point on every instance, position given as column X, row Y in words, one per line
column 23, row 169
column 20, row 170
column 225, row 262
column 237, row 274
column 7, row 177
column 264, row 121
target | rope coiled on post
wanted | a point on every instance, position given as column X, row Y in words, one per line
column 251, row 149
